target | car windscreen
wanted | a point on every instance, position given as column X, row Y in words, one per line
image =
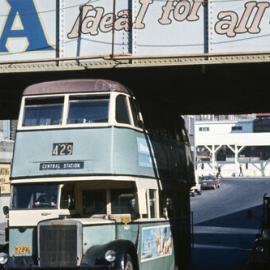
column 35, row 196
column 88, row 109
column 43, row 111
column 208, row 178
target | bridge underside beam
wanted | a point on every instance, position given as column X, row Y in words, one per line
column 198, row 89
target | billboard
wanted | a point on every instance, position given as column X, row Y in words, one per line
column 4, row 178
column 38, row 29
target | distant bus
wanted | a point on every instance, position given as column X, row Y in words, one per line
column 85, row 189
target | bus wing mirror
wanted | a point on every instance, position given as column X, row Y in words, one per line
column 167, row 207
column 67, row 202
column 133, row 209
column 70, row 204
column 5, row 210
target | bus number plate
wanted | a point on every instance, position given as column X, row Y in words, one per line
column 22, row 250
column 62, row 149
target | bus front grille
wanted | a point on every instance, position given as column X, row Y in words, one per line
column 58, row 245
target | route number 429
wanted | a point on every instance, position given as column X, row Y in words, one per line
column 62, row 149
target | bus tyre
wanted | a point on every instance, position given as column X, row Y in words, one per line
column 128, row 262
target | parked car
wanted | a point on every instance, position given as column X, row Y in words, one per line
column 210, row 182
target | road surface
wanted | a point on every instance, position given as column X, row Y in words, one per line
column 223, row 230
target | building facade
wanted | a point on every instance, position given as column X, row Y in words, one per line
column 237, row 146
column 7, row 135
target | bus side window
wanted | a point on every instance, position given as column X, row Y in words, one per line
column 135, row 113
column 67, row 197
column 122, row 113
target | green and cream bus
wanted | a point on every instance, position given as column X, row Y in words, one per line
column 86, row 191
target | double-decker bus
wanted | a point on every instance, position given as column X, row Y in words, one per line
column 87, row 190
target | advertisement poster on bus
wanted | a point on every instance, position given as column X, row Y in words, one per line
column 156, row 242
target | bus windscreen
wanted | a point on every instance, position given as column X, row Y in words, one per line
column 35, row 196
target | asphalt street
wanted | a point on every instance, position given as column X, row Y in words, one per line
column 224, row 230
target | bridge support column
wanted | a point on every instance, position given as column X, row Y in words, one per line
column 236, row 149
column 213, row 150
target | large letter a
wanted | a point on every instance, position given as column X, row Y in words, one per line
column 32, row 28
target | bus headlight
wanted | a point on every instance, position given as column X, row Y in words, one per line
column 3, row 258
column 110, row 255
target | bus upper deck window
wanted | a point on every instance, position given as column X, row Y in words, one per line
column 135, row 113
column 43, row 112
column 86, row 109
column 122, row 114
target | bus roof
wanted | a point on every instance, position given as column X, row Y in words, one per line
column 75, row 86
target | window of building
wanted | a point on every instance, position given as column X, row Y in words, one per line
column 261, row 125
column 237, row 128
column 86, row 109
column 122, row 114
column 204, row 129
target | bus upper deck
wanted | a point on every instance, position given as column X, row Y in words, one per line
column 80, row 128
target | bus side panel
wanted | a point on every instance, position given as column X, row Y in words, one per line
column 128, row 232
column 166, row 263
column 131, row 153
